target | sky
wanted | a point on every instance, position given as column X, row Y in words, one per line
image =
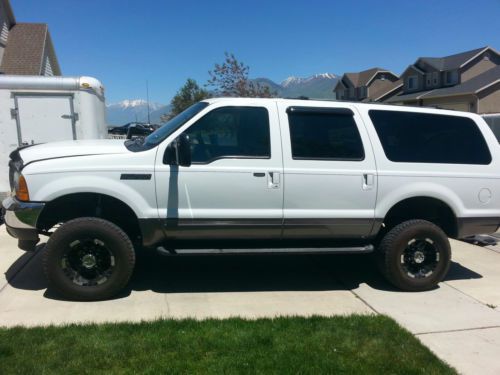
column 125, row 43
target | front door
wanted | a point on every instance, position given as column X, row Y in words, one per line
column 234, row 187
column 330, row 173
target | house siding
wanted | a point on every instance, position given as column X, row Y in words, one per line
column 412, row 72
column 457, row 103
column 489, row 100
column 479, row 67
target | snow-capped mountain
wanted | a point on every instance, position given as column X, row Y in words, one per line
column 318, row 86
column 290, row 81
column 134, row 110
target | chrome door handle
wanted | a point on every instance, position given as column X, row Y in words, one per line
column 368, row 181
column 274, row 180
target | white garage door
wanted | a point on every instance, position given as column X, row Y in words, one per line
column 45, row 118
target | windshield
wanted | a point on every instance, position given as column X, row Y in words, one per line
column 160, row 134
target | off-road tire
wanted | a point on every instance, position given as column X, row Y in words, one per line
column 118, row 244
column 392, row 248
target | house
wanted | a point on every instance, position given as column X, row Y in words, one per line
column 25, row 48
column 467, row 81
column 370, row 85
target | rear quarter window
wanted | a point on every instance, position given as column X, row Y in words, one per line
column 430, row 138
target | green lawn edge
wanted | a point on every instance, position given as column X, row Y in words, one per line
column 355, row 344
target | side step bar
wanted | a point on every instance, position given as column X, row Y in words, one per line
column 314, row 250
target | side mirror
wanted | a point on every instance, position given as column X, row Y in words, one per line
column 178, row 152
column 183, row 150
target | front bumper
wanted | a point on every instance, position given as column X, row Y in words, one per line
column 21, row 219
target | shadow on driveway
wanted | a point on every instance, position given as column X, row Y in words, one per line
column 234, row 273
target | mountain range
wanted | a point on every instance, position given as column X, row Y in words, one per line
column 318, row 86
column 134, row 110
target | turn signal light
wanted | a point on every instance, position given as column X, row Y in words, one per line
column 22, row 190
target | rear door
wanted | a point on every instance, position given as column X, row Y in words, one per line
column 43, row 119
column 329, row 172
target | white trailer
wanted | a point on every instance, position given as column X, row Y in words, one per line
column 36, row 109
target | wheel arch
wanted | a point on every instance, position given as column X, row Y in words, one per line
column 424, row 207
column 90, row 204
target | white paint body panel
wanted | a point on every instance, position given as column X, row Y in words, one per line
column 458, row 185
column 328, row 189
column 227, row 189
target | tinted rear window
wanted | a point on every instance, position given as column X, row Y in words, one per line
column 428, row 138
column 323, row 135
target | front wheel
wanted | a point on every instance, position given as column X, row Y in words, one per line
column 88, row 259
column 415, row 255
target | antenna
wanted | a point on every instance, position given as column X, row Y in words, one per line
column 147, row 99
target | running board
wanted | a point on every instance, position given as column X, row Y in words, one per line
column 313, row 250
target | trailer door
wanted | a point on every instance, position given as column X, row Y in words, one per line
column 43, row 118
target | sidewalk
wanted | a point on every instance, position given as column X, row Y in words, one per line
column 459, row 321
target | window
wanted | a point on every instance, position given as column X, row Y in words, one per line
column 412, row 82
column 324, row 134
column 428, row 138
column 172, row 125
column 231, row 132
column 428, row 79
column 435, row 78
column 363, row 92
column 451, row 77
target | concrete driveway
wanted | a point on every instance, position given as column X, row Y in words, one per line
column 459, row 321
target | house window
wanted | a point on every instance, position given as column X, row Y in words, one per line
column 435, row 77
column 451, row 77
column 412, row 82
column 428, row 79
column 363, row 92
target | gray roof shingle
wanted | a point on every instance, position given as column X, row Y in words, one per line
column 361, row 78
column 407, row 97
column 453, row 61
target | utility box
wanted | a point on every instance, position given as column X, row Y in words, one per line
column 35, row 109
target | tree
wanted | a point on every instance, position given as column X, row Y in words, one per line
column 188, row 94
column 231, row 79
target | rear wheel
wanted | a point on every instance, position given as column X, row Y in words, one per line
column 415, row 255
column 88, row 259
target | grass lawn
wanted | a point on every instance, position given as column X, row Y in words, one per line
column 338, row 345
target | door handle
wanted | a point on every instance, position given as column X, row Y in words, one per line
column 274, row 180
column 73, row 117
column 368, row 181
column 259, row 174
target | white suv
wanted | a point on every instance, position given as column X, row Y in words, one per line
column 250, row 175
